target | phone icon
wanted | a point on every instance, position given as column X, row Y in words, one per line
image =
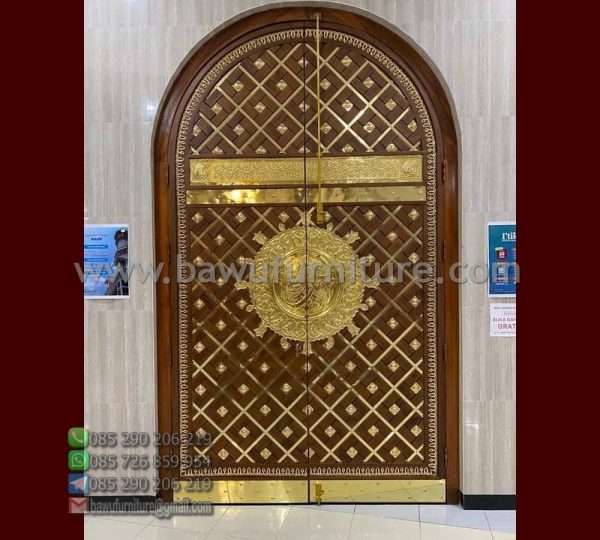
column 79, row 460
column 78, row 437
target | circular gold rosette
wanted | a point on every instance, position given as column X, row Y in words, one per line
column 306, row 284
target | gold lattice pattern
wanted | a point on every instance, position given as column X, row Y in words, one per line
column 263, row 103
column 357, row 400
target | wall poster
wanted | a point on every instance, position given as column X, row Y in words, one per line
column 105, row 257
column 503, row 320
column 502, row 259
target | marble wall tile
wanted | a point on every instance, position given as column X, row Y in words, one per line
column 132, row 49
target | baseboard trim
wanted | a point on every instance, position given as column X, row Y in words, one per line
column 488, row 502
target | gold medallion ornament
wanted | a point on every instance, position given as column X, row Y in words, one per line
column 307, row 284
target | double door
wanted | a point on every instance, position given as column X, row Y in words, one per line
column 305, row 339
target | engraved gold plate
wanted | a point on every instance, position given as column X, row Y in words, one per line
column 300, row 304
column 335, row 169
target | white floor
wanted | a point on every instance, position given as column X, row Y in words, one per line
column 383, row 522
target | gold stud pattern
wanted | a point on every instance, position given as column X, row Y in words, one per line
column 222, row 411
column 368, row 82
column 413, row 214
column 265, row 409
column 373, row 431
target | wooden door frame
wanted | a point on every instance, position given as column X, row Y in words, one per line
column 439, row 103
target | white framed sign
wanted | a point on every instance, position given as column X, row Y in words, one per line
column 105, row 258
column 503, row 320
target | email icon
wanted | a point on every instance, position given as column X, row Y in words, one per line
column 78, row 505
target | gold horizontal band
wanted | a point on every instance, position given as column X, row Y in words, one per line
column 296, row 491
column 335, row 170
column 339, row 195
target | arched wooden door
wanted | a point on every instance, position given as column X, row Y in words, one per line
column 281, row 390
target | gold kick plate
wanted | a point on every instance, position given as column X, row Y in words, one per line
column 244, row 492
column 321, row 491
column 378, row 491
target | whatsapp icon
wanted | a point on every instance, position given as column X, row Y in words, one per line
column 78, row 437
column 79, row 460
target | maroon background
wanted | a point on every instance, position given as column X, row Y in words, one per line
column 42, row 303
column 42, row 376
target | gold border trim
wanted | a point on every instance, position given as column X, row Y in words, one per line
column 335, row 170
column 228, row 197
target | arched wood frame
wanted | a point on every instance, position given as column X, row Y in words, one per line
column 438, row 102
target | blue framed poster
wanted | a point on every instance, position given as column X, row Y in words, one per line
column 105, row 259
column 502, row 259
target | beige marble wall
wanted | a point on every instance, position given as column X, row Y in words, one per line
column 132, row 47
